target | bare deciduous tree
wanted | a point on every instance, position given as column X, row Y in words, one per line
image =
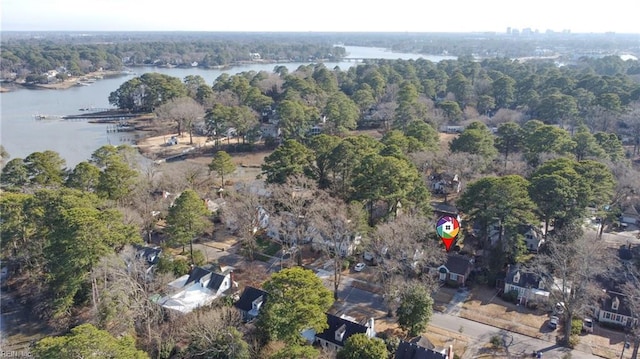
column 631, row 290
column 504, row 115
column 569, row 267
column 122, row 287
column 214, row 333
column 338, row 224
column 185, row 111
column 243, row 214
column 290, row 212
column 403, row 249
column 627, row 183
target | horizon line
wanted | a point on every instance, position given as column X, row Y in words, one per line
column 534, row 32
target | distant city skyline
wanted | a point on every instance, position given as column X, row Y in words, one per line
column 327, row 16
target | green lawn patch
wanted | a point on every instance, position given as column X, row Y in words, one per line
column 267, row 247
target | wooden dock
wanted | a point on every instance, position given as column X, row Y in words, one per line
column 102, row 116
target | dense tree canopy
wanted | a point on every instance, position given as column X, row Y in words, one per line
column 290, row 159
column 87, row 341
column 360, row 346
column 416, row 308
column 145, row 93
column 297, row 301
column 186, row 220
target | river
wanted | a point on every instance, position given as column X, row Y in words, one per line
column 21, row 134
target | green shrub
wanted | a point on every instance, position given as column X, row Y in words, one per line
column 346, row 264
column 496, row 342
column 573, row 341
column 198, row 257
column 392, row 343
column 576, row 326
column 165, row 265
column 511, row 296
column 181, row 267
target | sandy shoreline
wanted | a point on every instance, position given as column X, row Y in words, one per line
column 66, row 84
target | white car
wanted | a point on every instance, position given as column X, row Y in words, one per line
column 587, row 325
column 553, row 322
column 359, row 267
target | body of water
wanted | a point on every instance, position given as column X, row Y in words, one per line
column 21, row 134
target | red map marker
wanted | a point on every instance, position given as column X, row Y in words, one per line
column 448, row 228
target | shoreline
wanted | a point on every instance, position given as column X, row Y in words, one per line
column 66, row 84
column 73, row 81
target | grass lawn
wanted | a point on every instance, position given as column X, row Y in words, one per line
column 442, row 297
column 485, row 307
column 267, row 247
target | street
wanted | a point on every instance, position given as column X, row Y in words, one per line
column 518, row 345
column 479, row 334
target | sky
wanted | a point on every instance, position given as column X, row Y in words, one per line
column 618, row 16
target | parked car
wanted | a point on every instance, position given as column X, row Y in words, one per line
column 559, row 308
column 553, row 322
column 587, row 325
column 359, row 267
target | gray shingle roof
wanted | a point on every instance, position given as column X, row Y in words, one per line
column 335, row 323
column 215, row 281
column 408, row 350
column 248, row 296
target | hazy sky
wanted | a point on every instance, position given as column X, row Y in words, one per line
column 619, row 16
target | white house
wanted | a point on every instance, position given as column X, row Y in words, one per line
column 530, row 286
column 346, row 247
column 533, row 238
column 614, row 310
column 196, row 289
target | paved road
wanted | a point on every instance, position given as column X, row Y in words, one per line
column 478, row 333
column 519, row 345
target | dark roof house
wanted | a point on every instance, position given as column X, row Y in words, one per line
column 250, row 302
column 457, row 268
column 530, row 286
column 196, row 274
column 614, row 308
column 340, row 329
column 216, row 281
column 150, row 254
column 407, row 350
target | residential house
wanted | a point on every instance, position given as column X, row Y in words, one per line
column 443, row 209
column 346, row 247
column 530, row 286
column 198, row 288
column 629, row 215
column 615, row 310
column 457, row 269
column 150, row 254
column 340, row 329
column 250, row 302
column 445, row 183
column 409, row 350
column 533, row 239
column 270, row 130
